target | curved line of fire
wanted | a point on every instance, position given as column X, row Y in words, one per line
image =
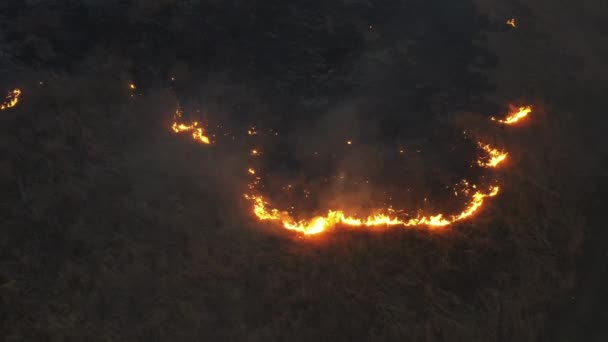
column 319, row 224
column 262, row 210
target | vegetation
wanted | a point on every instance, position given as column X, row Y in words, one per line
column 115, row 229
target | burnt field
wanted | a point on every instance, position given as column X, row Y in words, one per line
column 147, row 145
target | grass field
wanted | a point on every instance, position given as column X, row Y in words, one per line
column 113, row 228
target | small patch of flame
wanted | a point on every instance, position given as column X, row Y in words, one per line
column 198, row 133
column 132, row 86
column 494, row 158
column 11, row 99
column 515, row 115
column 512, row 22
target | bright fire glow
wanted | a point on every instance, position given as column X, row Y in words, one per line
column 380, row 217
column 333, row 218
column 512, row 22
column 515, row 115
column 11, row 99
column 494, row 156
column 198, row 133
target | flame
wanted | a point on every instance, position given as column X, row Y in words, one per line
column 385, row 217
column 494, row 158
column 132, row 86
column 198, row 133
column 263, row 211
column 11, row 99
column 515, row 115
column 512, row 22
column 333, row 218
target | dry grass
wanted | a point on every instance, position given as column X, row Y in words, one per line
column 113, row 229
column 116, row 230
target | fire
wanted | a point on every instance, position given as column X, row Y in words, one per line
column 494, row 158
column 386, row 217
column 11, row 99
column 380, row 217
column 333, row 218
column 512, row 22
column 515, row 115
column 198, row 133
column 132, row 86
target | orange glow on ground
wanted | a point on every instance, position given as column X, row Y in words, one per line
column 515, row 115
column 315, row 225
column 198, row 133
column 12, row 99
column 475, row 197
column 494, row 156
column 382, row 218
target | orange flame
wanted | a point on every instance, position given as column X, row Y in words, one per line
column 512, row 22
column 198, row 133
column 516, row 115
column 320, row 224
column 380, row 217
column 494, row 158
column 385, row 217
column 11, row 99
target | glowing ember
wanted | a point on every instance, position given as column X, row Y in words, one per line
column 11, row 99
column 333, row 218
column 198, row 133
column 515, row 115
column 494, row 158
column 512, row 22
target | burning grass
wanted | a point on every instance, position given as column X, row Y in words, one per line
column 146, row 229
column 12, row 99
column 198, row 133
column 383, row 217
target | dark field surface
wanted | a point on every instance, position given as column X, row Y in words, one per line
column 115, row 229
